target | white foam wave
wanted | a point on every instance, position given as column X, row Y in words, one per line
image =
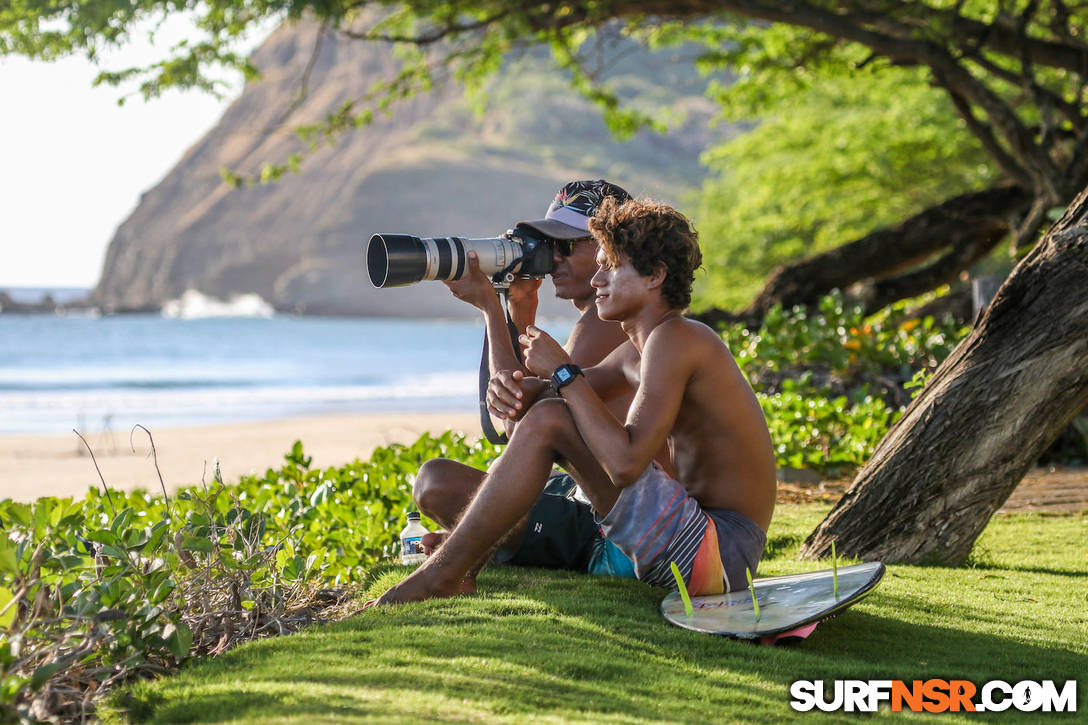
column 195, row 305
column 46, row 410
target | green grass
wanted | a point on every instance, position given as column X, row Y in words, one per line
column 558, row 647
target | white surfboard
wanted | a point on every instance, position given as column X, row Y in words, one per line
column 788, row 605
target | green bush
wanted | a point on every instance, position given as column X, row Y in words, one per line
column 832, row 381
column 842, row 342
column 126, row 584
column 825, row 434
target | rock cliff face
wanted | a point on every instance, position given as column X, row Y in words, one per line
column 431, row 168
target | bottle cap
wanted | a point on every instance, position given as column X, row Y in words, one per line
column 413, row 516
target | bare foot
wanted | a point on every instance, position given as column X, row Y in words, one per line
column 423, row 583
column 431, row 543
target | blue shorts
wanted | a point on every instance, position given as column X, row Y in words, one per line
column 562, row 533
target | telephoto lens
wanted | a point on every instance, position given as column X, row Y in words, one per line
column 395, row 260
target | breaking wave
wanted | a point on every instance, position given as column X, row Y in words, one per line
column 194, row 305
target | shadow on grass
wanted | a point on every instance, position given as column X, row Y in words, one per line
column 571, row 648
column 1049, row 571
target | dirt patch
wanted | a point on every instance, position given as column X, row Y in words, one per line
column 1054, row 489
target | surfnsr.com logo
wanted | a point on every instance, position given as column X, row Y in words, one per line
column 934, row 696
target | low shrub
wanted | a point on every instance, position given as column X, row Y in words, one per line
column 833, row 380
column 839, row 346
column 123, row 585
column 823, row 434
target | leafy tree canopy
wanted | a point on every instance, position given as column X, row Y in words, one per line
column 836, row 151
column 955, row 94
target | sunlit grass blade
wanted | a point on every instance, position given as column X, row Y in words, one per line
column 681, row 588
column 752, row 591
column 834, row 570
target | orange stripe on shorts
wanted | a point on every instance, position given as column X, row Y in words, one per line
column 707, row 573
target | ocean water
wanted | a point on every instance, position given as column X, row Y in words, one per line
column 112, row 372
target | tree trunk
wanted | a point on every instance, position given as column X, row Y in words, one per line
column 966, row 222
column 987, row 415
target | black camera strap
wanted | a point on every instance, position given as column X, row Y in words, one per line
column 485, row 372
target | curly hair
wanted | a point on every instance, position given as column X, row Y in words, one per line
column 649, row 233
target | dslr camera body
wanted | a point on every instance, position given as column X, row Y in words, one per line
column 395, row 260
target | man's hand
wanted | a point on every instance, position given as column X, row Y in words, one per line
column 509, row 394
column 542, row 353
column 523, row 291
column 474, row 286
column 504, row 394
column 522, row 298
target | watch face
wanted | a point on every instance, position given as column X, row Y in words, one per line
column 563, row 374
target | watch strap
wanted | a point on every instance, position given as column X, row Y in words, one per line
column 564, row 375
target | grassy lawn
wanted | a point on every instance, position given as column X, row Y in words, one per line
column 557, row 647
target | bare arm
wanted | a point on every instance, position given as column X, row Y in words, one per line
column 625, row 450
column 475, row 288
column 511, row 393
column 523, row 302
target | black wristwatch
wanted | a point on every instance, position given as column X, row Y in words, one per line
column 564, row 375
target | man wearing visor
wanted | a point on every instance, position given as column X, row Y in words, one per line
column 560, row 531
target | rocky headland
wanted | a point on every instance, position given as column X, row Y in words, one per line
column 433, row 167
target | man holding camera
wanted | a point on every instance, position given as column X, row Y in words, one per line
column 711, row 517
column 560, row 531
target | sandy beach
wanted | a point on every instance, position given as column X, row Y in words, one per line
column 58, row 465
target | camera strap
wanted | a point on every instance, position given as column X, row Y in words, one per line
column 485, row 373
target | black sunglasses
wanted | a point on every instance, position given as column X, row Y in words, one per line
column 565, row 247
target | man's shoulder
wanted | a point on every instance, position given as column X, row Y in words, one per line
column 686, row 343
column 686, row 332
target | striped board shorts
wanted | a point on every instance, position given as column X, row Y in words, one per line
column 655, row 522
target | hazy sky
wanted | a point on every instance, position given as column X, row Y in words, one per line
column 73, row 163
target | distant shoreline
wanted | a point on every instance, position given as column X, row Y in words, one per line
column 24, row 300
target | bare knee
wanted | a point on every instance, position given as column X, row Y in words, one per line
column 443, row 488
column 428, row 487
column 547, row 421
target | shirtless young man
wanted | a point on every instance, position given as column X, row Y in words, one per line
column 559, row 531
column 712, row 519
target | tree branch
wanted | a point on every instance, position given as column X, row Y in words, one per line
column 440, row 33
column 1070, row 110
column 999, row 36
column 853, row 26
column 986, row 137
column 304, row 84
column 942, row 271
column 963, row 220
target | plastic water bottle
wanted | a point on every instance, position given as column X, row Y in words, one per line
column 411, row 548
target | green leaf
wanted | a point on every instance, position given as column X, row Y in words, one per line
column 163, row 590
column 21, row 512
column 197, row 543
column 180, row 640
column 7, row 617
column 121, row 521
column 9, row 559
column 158, row 531
column 114, row 552
column 103, row 536
column 680, row 587
column 42, row 674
